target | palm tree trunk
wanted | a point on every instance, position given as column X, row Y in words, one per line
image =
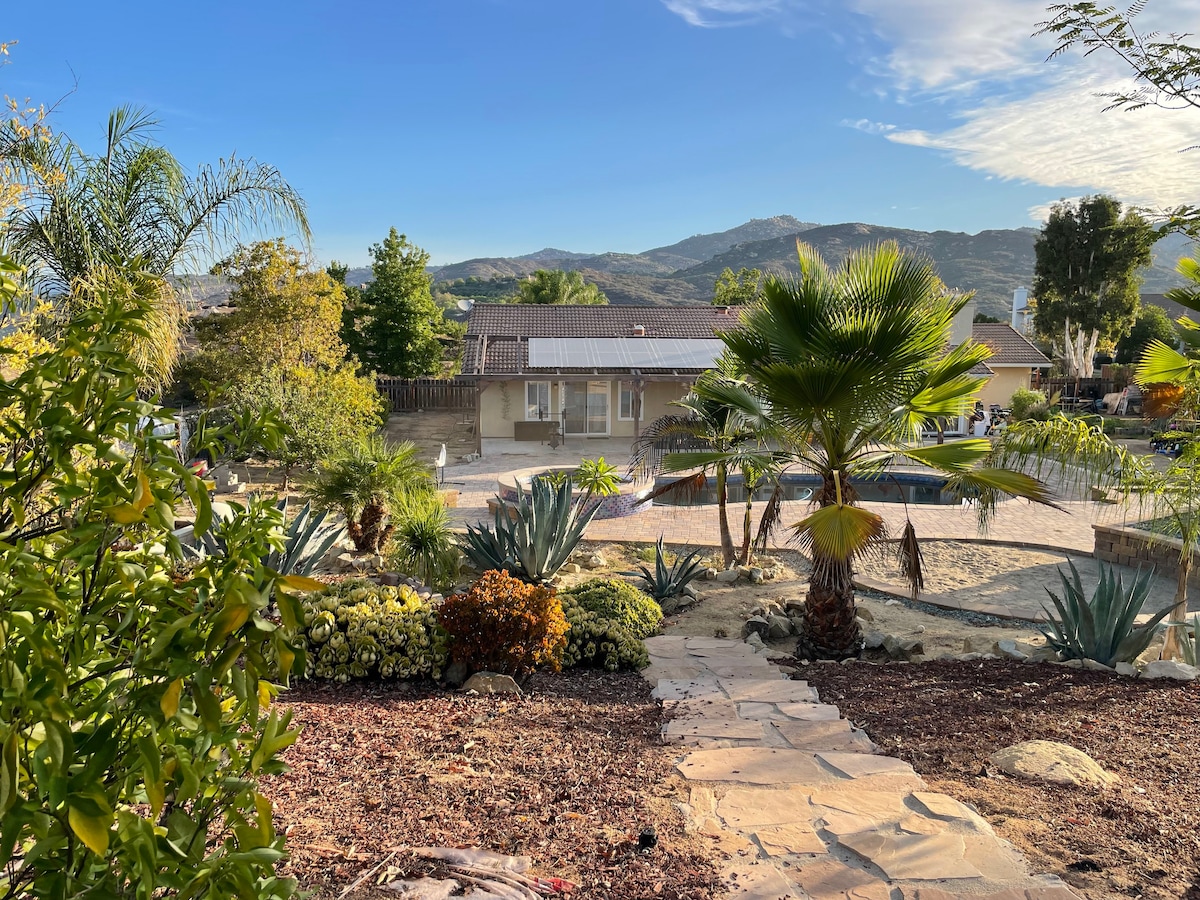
column 744, row 557
column 1170, row 648
column 830, row 628
column 372, row 528
column 727, row 550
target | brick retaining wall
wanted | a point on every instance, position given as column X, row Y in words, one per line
column 1133, row 547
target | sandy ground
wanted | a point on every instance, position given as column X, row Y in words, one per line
column 723, row 608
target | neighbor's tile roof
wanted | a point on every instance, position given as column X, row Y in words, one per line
column 1009, row 347
column 498, row 333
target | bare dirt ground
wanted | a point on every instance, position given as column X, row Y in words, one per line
column 724, row 607
column 1138, row 838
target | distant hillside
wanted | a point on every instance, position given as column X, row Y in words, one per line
column 702, row 247
column 991, row 263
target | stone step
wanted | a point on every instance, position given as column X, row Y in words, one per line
column 837, row 734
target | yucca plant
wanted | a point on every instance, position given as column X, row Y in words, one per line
column 664, row 583
column 1102, row 628
column 533, row 539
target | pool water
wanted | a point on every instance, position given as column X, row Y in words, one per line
column 903, row 487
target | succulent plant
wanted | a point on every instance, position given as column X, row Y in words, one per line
column 664, row 582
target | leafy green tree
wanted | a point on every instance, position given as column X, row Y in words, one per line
column 367, row 482
column 559, row 288
column 984, row 317
column 323, row 409
column 280, row 348
column 852, row 365
column 737, row 289
column 137, row 714
column 393, row 327
column 1152, row 324
column 283, row 314
column 1086, row 276
column 1166, row 68
column 119, row 222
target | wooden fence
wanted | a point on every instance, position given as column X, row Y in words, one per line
column 407, row 394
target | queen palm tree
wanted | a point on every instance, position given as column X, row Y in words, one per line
column 851, row 365
column 124, row 220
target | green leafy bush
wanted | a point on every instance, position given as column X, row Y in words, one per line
column 619, row 602
column 1101, row 629
column 608, row 620
column 503, row 624
column 1027, row 404
column 359, row 629
column 136, row 715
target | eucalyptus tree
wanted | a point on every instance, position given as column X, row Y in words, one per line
column 123, row 221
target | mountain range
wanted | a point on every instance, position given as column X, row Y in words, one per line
column 991, row 263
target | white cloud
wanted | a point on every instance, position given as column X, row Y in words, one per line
column 1058, row 137
column 725, row 13
column 1008, row 113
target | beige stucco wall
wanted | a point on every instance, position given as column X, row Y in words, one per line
column 656, row 398
column 1000, row 387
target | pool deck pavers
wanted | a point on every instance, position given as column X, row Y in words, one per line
column 803, row 801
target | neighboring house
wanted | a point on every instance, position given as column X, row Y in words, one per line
column 1012, row 362
column 596, row 371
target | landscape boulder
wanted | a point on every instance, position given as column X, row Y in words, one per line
column 491, row 683
column 1053, row 762
column 780, row 627
column 902, row 649
column 1169, row 668
column 756, row 625
column 729, row 576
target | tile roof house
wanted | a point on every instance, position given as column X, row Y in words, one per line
column 590, row 370
column 604, row 371
column 1013, row 361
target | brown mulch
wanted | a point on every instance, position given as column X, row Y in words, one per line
column 1138, row 839
column 568, row 774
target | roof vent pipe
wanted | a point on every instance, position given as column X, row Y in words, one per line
column 639, row 330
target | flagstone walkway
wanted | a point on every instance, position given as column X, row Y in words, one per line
column 805, row 803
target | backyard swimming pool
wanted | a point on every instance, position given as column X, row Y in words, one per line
column 902, row 487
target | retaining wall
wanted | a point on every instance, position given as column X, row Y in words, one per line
column 1133, row 547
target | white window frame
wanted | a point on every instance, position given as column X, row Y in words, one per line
column 531, row 409
column 621, row 385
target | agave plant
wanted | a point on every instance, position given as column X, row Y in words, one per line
column 666, row 583
column 1101, row 629
column 306, row 541
column 533, row 539
column 1187, row 634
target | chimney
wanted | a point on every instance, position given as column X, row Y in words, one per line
column 639, row 330
column 1020, row 310
column 723, row 310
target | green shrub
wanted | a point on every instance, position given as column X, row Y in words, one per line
column 1103, row 628
column 619, row 602
column 423, row 544
column 1027, row 404
column 358, row 629
column 503, row 624
column 608, row 620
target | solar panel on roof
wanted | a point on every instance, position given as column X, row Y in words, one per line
column 623, row 353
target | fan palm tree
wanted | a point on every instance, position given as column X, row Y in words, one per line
column 367, row 482
column 557, row 287
column 852, row 364
column 1175, row 492
column 125, row 219
column 710, row 436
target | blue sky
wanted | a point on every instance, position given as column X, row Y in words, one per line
column 498, row 127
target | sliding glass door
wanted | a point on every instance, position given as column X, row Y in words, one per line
column 585, row 407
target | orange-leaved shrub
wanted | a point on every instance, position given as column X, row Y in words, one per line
column 503, row 624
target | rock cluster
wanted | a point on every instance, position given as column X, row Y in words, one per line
column 752, row 574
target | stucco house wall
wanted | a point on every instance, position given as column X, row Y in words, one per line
column 503, row 402
column 1000, row 387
